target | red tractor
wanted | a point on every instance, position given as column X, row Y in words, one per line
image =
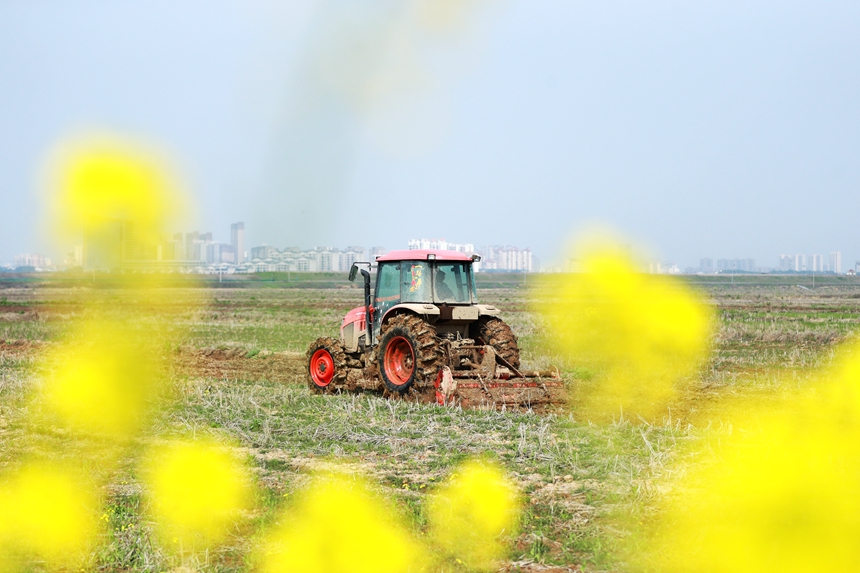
column 428, row 339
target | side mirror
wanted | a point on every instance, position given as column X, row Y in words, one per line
column 352, row 272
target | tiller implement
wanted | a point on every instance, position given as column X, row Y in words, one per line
column 428, row 339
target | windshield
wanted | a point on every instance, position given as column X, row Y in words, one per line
column 423, row 281
column 452, row 283
column 415, row 279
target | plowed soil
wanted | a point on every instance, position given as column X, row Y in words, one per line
column 238, row 364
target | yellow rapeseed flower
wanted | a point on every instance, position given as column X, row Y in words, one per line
column 641, row 335
column 473, row 513
column 103, row 379
column 196, row 491
column 781, row 493
column 47, row 512
column 103, row 179
column 338, row 526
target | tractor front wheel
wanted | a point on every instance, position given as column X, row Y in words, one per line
column 409, row 355
column 326, row 365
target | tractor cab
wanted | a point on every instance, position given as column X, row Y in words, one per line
column 436, row 284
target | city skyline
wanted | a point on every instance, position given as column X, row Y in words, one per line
column 196, row 248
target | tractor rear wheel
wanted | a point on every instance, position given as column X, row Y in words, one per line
column 327, row 367
column 409, row 355
column 496, row 332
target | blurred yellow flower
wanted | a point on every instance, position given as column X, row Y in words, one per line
column 642, row 335
column 781, row 493
column 47, row 512
column 103, row 379
column 473, row 513
column 196, row 491
column 338, row 526
column 99, row 180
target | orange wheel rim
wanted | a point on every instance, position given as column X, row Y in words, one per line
column 399, row 361
column 322, row 367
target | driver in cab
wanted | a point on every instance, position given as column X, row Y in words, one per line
column 443, row 291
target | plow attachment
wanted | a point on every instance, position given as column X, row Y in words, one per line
column 496, row 384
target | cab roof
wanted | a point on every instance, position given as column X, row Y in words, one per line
column 424, row 254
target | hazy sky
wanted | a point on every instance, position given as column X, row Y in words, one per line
column 719, row 129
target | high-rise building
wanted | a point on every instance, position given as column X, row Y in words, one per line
column 237, row 241
column 799, row 263
column 836, row 262
column 213, row 252
column 816, row 263
column 706, row 265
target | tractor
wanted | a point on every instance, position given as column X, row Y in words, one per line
column 422, row 335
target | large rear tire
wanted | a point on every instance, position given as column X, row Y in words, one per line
column 409, row 356
column 496, row 332
column 327, row 367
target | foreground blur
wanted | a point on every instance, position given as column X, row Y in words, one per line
column 781, row 492
column 641, row 338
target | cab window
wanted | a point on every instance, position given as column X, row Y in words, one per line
column 388, row 282
column 415, row 281
column 451, row 283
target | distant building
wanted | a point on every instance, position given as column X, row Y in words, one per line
column 213, row 252
column 799, row 263
column 320, row 259
column 740, row 265
column 816, row 263
column 262, row 253
column 178, row 247
column 237, row 241
column 350, row 255
column 118, row 243
column 836, row 262
column 228, row 254
column 328, row 260
column 706, row 266
column 376, row 252
column 441, row 244
column 489, row 254
column 36, row 261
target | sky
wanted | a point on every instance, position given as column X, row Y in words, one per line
column 694, row 129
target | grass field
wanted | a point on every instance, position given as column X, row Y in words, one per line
column 586, row 487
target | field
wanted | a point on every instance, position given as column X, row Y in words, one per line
column 237, row 371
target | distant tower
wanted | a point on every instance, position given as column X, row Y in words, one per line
column 237, row 240
column 836, row 262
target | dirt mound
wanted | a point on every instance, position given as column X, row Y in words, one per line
column 236, row 363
